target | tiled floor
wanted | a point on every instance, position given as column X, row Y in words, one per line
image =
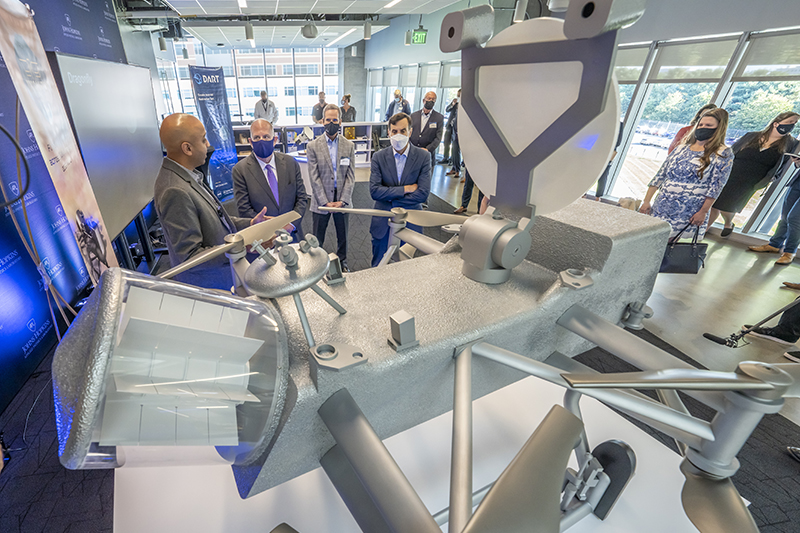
column 38, row 495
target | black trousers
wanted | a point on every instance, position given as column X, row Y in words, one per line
column 466, row 195
column 789, row 323
column 448, row 138
column 456, row 159
column 340, row 220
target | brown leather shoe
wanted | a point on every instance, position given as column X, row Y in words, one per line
column 785, row 259
column 764, row 248
column 451, row 172
column 795, row 286
column 460, row 211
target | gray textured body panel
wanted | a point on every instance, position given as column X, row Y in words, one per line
column 622, row 251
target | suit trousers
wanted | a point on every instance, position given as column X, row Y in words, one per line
column 787, row 234
column 789, row 323
column 381, row 246
column 456, row 159
column 466, row 195
column 340, row 220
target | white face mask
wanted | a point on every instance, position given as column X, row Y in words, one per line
column 399, row 142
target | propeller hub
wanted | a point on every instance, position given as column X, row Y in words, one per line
column 780, row 380
column 400, row 214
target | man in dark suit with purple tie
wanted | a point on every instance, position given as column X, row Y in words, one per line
column 400, row 177
column 268, row 179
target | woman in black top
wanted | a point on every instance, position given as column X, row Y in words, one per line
column 758, row 154
column 348, row 112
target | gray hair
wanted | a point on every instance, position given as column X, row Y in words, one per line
column 259, row 121
column 332, row 107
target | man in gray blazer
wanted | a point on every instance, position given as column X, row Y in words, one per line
column 266, row 179
column 331, row 160
column 192, row 218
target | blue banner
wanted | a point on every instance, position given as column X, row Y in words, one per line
column 26, row 327
column 86, row 28
column 211, row 99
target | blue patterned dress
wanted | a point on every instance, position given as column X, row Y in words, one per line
column 682, row 192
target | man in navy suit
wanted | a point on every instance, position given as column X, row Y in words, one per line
column 268, row 179
column 400, row 177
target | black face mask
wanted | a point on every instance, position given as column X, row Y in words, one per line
column 783, row 129
column 429, row 104
column 332, row 128
column 204, row 167
column 704, row 134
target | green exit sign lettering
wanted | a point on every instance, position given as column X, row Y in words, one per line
column 419, row 36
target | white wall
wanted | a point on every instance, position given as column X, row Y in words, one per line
column 664, row 19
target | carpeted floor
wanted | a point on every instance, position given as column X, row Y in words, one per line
column 38, row 495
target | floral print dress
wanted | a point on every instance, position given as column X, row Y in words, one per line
column 682, row 192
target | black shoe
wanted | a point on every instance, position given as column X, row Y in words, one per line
column 727, row 231
column 444, row 162
column 773, row 335
column 345, row 268
column 794, row 452
column 792, row 356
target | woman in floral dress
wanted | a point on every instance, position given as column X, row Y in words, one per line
column 692, row 176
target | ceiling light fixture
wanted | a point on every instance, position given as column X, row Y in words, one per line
column 242, row 3
column 520, row 12
column 162, row 43
column 309, row 31
column 367, row 30
column 185, row 53
column 342, row 36
column 409, row 36
column 248, row 34
column 391, row 4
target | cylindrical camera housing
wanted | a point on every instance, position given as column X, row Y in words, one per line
column 469, row 27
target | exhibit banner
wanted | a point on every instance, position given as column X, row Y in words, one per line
column 30, row 72
column 211, row 99
column 86, row 28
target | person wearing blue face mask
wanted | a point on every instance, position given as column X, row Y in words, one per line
column 268, row 179
column 398, row 105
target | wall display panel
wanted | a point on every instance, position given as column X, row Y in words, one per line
column 86, row 28
column 119, row 143
column 699, row 61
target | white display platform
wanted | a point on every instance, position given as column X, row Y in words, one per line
column 204, row 499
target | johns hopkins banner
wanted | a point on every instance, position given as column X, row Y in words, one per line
column 86, row 28
column 211, row 99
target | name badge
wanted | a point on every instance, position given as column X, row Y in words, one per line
column 344, row 162
column 432, row 125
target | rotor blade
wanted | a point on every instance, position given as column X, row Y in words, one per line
column 529, row 490
column 793, row 369
column 429, row 219
column 674, row 378
column 284, row 528
column 369, row 212
column 714, row 505
column 198, row 259
column 265, row 230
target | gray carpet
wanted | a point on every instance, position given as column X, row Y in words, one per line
column 38, row 495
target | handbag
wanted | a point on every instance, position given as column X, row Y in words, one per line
column 684, row 257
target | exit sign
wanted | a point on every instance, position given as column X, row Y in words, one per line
column 419, row 36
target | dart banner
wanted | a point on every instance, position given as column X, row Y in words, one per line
column 211, row 99
column 30, row 72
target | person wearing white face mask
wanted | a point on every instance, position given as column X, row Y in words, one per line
column 400, row 177
column 398, row 105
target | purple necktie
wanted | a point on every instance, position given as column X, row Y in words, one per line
column 273, row 185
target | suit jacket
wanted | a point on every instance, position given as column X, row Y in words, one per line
column 387, row 190
column 252, row 192
column 320, row 172
column 395, row 108
column 430, row 136
column 192, row 220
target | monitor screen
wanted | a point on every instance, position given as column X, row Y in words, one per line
column 113, row 114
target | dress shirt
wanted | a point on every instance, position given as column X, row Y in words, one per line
column 333, row 150
column 200, row 179
column 423, row 120
column 400, row 163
